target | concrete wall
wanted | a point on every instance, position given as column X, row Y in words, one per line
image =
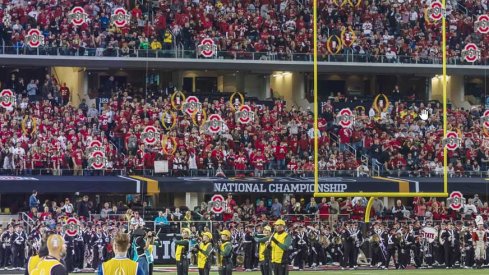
column 76, row 81
column 455, row 89
column 290, row 87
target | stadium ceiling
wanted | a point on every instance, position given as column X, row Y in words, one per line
column 262, row 66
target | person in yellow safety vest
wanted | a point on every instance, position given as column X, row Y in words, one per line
column 264, row 251
column 280, row 243
column 181, row 251
column 204, row 250
column 120, row 264
column 225, row 252
column 51, row 264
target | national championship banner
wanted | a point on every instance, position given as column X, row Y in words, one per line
column 233, row 187
column 247, row 185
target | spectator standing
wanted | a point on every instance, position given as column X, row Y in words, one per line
column 83, row 208
column 137, row 221
column 105, row 211
column 33, row 200
column 68, row 207
column 276, row 210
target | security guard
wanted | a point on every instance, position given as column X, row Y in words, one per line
column 204, row 250
column 280, row 243
column 264, row 252
column 181, row 251
column 120, row 264
column 51, row 264
column 225, row 253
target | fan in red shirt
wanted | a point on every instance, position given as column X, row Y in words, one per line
column 258, row 163
column 323, row 210
column 65, row 94
column 230, row 205
column 280, row 152
column 240, row 162
column 358, row 211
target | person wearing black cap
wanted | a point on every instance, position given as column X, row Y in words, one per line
column 348, row 238
column 7, row 246
column 79, row 248
column 70, row 246
column 248, row 247
column 97, row 242
column 18, row 240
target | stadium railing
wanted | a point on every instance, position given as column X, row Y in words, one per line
column 347, row 56
column 240, row 173
column 63, row 172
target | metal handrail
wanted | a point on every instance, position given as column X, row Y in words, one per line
column 347, row 57
column 62, row 172
column 28, row 221
column 375, row 171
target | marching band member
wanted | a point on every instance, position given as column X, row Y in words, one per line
column 97, row 243
column 392, row 246
column 280, row 243
column 51, row 264
column 70, row 246
column 248, row 247
column 79, row 248
column 405, row 248
column 468, row 247
column 225, row 252
column 301, row 244
column 204, row 250
column 479, row 237
column 5, row 238
column 181, row 252
column 351, row 240
column 378, row 251
column 264, row 252
column 18, row 241
column 120, row 264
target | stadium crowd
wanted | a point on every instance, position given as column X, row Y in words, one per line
column 292, row 209
column 44, row 132
column 278, row 29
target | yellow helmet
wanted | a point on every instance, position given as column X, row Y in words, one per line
column 226, row 233
column 208, row 234
column 279, row 222
column 267, row 228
